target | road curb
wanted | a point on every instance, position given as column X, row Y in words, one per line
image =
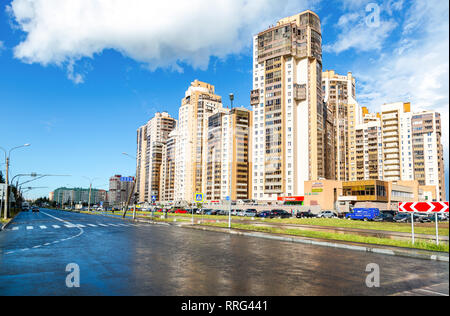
column 399, row 253
column 7, row 224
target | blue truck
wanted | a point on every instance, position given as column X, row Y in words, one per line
column 364, row 214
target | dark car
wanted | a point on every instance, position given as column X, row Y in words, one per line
column 35, row 209
column 429, row 218
column 265, row 214
column 405, row 218
column 384, row 217
column 280, row 214
column 308, row 214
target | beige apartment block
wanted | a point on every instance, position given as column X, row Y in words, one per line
column 397, row 141
column 199, row 103
column 150, row 141
column 289, row 116
column 167, row 181
column 428, row 152
column 369, row 148
column 346, row 114
column 228, row 150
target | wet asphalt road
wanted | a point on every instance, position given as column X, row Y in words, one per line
column 118, row 258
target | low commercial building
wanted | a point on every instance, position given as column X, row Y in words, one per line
column 342, row 196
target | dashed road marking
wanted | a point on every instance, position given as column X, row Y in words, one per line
column 56, row 226
column 43, row 227
column 30, row 227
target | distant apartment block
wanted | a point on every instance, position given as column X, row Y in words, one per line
column 120, row 189
column 79, row 195
column 199, row 103
column 150, row 141
column 428, row 152
column 228, row 155
column 346, row 114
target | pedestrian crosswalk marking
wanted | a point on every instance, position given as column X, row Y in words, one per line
column 43, row 227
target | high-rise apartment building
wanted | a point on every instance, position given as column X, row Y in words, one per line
column 199, row 103
column 289, row 113
column 397, row 142
column 167, row 183
column 428, row 152
column 228, row 149
column 120, row 189
column 369, row 148
column 346, row 114
column 150, row 141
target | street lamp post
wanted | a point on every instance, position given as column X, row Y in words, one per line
column 231, row 164
column 7, row 159
column 90, row 188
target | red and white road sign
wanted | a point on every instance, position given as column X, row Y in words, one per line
column 423, row 207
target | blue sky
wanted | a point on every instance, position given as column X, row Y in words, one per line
column 78, row 78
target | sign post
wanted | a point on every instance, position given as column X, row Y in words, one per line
column 437, row 228
column 198, row 199
column 424, row 208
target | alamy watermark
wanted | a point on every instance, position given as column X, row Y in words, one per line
column 373, row 279
column 373, row 15
column 73, row 278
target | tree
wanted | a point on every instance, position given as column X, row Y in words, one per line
column 2, row 180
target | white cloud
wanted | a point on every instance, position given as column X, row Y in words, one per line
column 164, row 34
column 363, row 30
column 2, row 46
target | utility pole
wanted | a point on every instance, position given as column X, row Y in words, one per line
column 7, row 159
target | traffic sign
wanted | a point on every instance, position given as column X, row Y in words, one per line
column 228, row 198
column 154, row 198
column 199, row 197
column 424, row 207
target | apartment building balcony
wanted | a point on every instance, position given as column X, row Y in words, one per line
column 300, row 92
column 254, row 97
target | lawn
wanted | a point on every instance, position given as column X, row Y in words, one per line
column 420, row 244
column 419, row 228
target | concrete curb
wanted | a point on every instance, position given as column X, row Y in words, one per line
column 7, row 224
column 401, row 252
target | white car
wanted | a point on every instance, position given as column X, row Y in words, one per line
column 327, row 214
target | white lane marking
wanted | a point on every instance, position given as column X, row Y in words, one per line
column 15, row 228
column 431, row 292
column 80, row 226
column 43, row 227
column 70, row 226
column 56, row 226
column 29, row 227
column 35, row 247
column 92, row 225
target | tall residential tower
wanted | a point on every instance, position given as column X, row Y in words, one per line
column 289, row 112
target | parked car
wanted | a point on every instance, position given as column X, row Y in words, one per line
column 250, row 213
column 222, row 212
column 307, row 214
column 280, row 214
column 384, row 217
column 240, row 213
column 364, row 214
column 327, row 214
column 428, row 218
column 181, row 211
column 234, row 212
column 405, row 218
column 265, row 214
column 210, row 212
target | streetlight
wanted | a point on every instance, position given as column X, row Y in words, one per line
column 7, row 159
column 90, row 188
column 132, row 191
column 231, row 163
